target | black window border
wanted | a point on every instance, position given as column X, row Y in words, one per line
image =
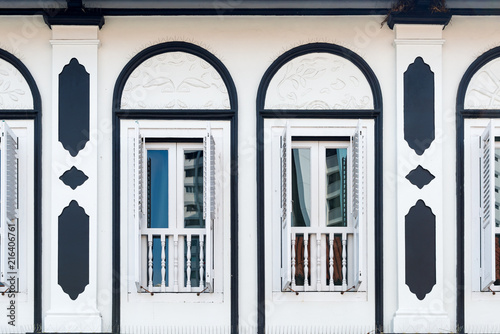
column 175, row 114
column 461, row 115
column 34, row 114
column 375, row 114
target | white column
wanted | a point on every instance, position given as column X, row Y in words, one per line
column 429, row 314
column 60, row 312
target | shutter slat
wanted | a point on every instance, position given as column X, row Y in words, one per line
column 8, row 196
column 488, row 207
column 358, row 189
column 209, row 203
column 286, row 197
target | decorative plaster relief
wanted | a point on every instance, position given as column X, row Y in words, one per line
column 15, row 92
column 319, row 81
column 175, row 80
column 483, row 91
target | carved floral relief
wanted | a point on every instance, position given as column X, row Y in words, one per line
column 175, row 80
column 319, row 81
column 483, row 91
column 14, row 90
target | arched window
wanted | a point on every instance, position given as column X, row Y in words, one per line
column 20, row 184
column 175, row 184
column 319, row 153
column 478, row 199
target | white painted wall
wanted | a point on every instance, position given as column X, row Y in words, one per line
column 247, row 46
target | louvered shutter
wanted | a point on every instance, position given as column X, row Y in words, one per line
column 358, row 192
column 8, row 199
column 209, row 205
column 286, row 207
column 487, row 207
column 140, row 200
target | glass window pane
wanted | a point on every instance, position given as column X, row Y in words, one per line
column 301, row 186
column 193, row 188
column 158, row 188
column 336, row 187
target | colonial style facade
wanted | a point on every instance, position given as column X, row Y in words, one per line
column 249, row 166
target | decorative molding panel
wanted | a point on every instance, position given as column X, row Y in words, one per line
column 74, row 107
column 73, row 250
column 73, row 177
column 14, row 90
column 420, row 177
column 419, row 106
column 175, row 80
column 420, row 249
column 319, row 81
column 483, row 91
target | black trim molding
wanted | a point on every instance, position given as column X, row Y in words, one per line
column 35, row 115
column 461, row 115
column 175, row 114
column 375, row 113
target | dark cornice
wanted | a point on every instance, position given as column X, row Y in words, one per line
column 74, row 16
column 418, row 17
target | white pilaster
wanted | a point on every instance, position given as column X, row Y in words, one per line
column 60, row 312
column 414, row 315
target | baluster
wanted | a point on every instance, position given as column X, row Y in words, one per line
column 344, row 261
column 188, row 262
column 331, row 262
column 176, row 263
column 306, row 260
column 293, row 260
column 318, row 261
column 150, row 262
column 202, row 260
column 163, row 269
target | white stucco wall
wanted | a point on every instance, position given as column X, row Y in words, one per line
column 247, row 46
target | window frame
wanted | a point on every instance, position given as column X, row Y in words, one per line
column 183, row 132
column 322, row 129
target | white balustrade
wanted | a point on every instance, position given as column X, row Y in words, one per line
column 324, row 264
column 174, row 259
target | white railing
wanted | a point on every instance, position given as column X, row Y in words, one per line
column 175, row 259
column 320, row 258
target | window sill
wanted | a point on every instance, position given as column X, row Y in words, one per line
column 172, row 297
column 319, row 296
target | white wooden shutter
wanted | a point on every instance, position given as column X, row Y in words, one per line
column 8, row 199
column 209, row 205
column 140, row 196
column 358, row 199
column 286, row 208
column 487, row 207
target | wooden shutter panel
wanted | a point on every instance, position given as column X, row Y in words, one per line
column 140, row 200
column 487, row 207
column 358, row 198
column 209, row 205
column 286, row 207
column 8, row 198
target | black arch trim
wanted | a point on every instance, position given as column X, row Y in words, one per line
column 175, row 114
column 461, row 115
column 34, row 114
column 173, row 47
column 375, row 114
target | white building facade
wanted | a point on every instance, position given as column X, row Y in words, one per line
column 249, row 167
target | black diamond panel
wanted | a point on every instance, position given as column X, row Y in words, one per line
column 73, row 177
column 420, row 177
